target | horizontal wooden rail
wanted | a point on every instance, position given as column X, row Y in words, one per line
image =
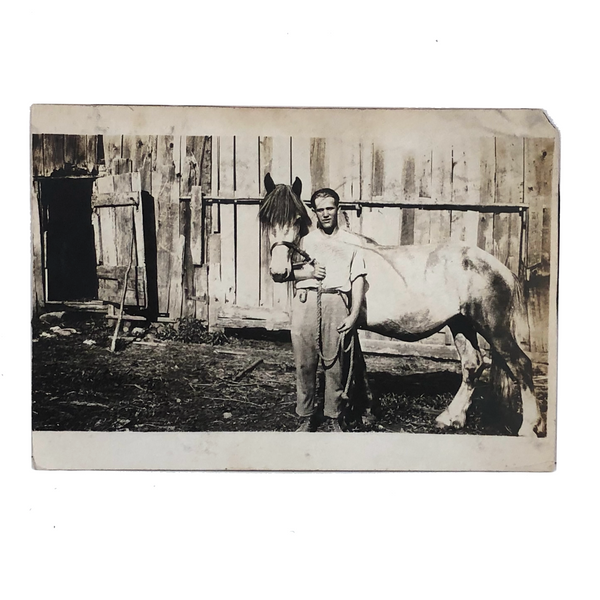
column 358, row 205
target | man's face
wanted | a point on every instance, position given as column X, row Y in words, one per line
column 327, row 213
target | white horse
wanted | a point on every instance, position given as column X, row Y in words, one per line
column 414, row 291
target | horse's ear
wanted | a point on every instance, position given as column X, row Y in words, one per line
column 297, row 187
column 269, row 183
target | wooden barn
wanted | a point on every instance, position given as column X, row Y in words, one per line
column 176, row 216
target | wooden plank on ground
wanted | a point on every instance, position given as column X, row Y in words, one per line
column 399, row 348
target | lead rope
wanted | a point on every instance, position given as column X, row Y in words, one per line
column 329, row 362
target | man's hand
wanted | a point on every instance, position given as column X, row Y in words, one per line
column 320, row 273
column 347, row 324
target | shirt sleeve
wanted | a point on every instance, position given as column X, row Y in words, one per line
column 358, row 267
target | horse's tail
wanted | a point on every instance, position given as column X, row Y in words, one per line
column 502, row 381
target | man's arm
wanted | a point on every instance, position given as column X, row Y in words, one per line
column 358, row 295
column 308, row 271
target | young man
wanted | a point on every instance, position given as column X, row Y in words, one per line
column 340, row 269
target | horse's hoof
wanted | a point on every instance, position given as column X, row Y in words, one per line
column 445, row 421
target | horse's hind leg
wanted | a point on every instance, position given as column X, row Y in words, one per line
column 472, row 365
column 519, row 368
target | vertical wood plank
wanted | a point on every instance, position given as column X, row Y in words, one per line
column 281, row 174
column 266, row 166
column 70, row 149
column 226, row 166
column 366, row 169
column 409, row 193
column 441, row 192
column 301, row 164
column 205, row 158
column 54, row 154
column 190, row 164
column 177, row 283
column 248, row 230
column 215, row 217
column 215, row 288
column 248, row 255
column 165, row 222
column 112, row 150
column 465, row 190
column 423, row 177
column 37, row 287
column 197, row 225
column 338, row 175
column 281, row 166
column 201, row 292
column 487, row 178
column 246, row 167
column 381, row 224
column 265, row 152
column 509, row 190
column 37, row 155
column 539, row 154
column 319, row 165
column 91, row 153
column 228, row 254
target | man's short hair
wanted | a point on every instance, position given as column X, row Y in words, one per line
column 324, row 193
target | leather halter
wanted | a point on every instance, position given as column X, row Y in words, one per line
column 307, row 258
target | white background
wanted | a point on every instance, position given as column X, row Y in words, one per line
column 267, row 535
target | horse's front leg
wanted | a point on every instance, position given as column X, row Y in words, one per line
column 472, row 366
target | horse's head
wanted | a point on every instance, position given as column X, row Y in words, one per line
column 285, row 220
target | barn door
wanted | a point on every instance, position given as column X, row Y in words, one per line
column 119, row 239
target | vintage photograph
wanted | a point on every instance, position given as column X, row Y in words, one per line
column 293, row 288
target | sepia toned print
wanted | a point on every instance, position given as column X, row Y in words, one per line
column 168, row 252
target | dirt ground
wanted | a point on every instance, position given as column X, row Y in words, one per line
column 155, row 382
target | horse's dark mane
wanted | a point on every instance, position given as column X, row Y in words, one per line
column 281, row 207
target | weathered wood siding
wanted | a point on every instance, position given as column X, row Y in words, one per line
column 211, row 261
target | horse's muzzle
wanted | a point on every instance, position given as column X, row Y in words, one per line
column 280, row 277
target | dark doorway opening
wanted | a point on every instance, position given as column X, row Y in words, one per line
column 70, row 249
